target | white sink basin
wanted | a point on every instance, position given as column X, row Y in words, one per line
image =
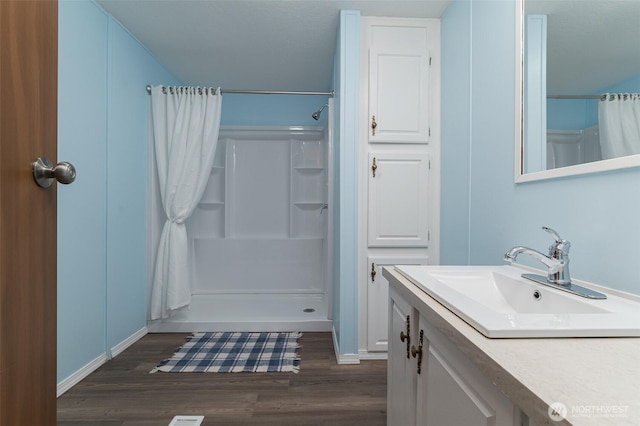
column 499, row 303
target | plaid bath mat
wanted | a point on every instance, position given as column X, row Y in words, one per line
column 235, row 353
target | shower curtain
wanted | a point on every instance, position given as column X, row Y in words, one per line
column 619, row 121
column 186, row 122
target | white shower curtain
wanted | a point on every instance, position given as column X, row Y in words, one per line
column 186, row 122
column 619, row 121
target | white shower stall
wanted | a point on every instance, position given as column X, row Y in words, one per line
column 259, row 239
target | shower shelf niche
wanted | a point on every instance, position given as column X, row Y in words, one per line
column 308, row 189
column 208, row 219
column 265, row 184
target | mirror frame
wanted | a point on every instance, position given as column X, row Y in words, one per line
column 578, row 169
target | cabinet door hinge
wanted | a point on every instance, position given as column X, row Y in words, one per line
column 429, row 165
column 428, row 235
column 429, row 60
column 429, row 131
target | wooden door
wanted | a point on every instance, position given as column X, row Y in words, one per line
column 28, row 129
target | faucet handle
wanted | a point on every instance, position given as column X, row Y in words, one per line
column 560, row 247
column 553, row 233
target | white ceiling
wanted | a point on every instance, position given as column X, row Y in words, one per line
column 590, row 44
column 290, row 44
column 252, row 44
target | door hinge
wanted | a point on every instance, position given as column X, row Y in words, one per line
column 429, row 165
column 428, row 235
column 429, row 131
column 429, row 60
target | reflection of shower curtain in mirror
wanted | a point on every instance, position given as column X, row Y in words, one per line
column 619, row 120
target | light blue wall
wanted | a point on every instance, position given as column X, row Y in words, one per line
column 82, row 140
column 102, row 217
column 597, row 213
column 570, row 113
column 131, row 68
column 630, row 85
column 272, row 110
column 337, row 114
column 454, row 156
column 346, row 83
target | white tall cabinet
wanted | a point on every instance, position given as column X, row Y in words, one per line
column 399, row 185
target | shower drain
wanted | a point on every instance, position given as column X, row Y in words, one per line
column 308, row 310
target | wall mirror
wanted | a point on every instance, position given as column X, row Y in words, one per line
column 569, row 54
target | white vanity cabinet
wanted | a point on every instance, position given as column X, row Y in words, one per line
column 453, row 392
column 401, row 375
column 438, row 385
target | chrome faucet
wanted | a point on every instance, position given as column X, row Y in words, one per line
column 557, row 262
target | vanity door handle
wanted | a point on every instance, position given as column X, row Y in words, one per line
column 407, row 337
column 373, row 125
column 417, row 353
column 373, row 272
column 374, row 167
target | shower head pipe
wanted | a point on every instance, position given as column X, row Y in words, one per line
column 316, row 115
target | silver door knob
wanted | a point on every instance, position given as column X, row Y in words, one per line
column 44, row 172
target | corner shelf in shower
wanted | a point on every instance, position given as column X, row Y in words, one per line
column 308, row 169
column 215, row 216
column 308, row 190
column 208, row 219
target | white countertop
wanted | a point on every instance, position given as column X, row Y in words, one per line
column 596, row 379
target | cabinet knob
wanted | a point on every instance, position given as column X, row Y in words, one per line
column 373, row 125
column 415, row 352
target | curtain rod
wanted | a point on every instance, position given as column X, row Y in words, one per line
column 601, row 97
column 267, row 92
column 574, row 96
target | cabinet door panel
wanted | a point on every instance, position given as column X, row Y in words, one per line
column 398, row 96
column 454, row 392
column 401, row 377
column 450, row 400
column 398, row 197
column 378, row 298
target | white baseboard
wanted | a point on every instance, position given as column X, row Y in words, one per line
column 248, row 326
column 76, row 377
column 343, row 358
column 364, row 355
column 117, row 349
column 92, row 366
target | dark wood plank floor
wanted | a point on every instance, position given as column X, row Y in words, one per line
column 122, row 392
